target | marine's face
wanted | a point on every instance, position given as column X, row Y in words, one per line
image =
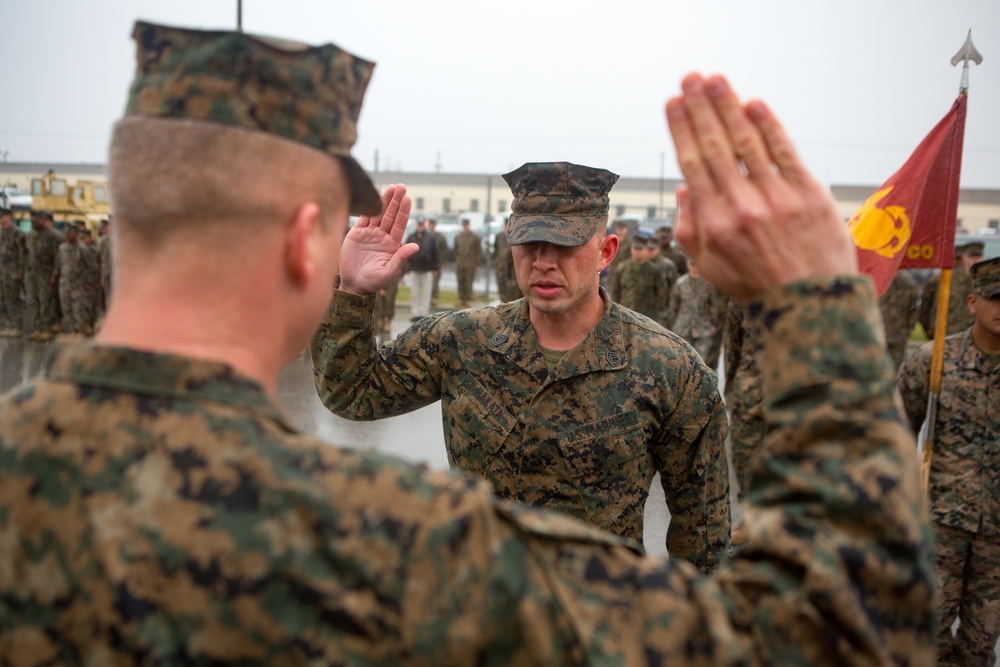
column 5, row 220
column 987, row 313
column 559, row 279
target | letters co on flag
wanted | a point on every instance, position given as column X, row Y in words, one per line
column 909, row 222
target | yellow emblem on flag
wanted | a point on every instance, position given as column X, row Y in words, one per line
column 885, row 231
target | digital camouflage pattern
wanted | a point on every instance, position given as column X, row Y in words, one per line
column 986, row 277
column 964, row 557
column 77, row 265
column 697, row 313
column 965, row 466
column 744, row 393
column 558, row 202
column 161, row 510
column 308, row 94
column 899, row 313
column 13, row 262
column 959, row 317
column 642, row 287
column 42, row 275
column 964, row 488
column 468, row 257
column 630, row 400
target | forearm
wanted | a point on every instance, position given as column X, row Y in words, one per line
column 352, row 378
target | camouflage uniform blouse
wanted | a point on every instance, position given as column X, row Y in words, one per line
column 160, row 510
column 630, row 400
column 965, row 463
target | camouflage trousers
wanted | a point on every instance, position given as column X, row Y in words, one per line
column 43, row 301
column 79, row 307
column 968, row 567
column 465, row 275
column 11, row 310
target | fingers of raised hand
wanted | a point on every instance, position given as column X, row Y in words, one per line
column 746, row 138
column 780, row 148
column 716, row 146
column 689, row 157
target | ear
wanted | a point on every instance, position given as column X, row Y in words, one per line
column 970, row 303
column 301, row 245
column 609, row 248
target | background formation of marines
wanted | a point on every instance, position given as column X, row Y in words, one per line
column 60, row 281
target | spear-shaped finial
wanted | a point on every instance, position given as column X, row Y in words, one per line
column 965, row 54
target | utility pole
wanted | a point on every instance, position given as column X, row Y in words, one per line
column 662, row 157
column 239, row 15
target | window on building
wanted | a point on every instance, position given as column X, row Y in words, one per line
column 100, row 194
column 650, row 211
column 620, row 210
column 474, row 205
column 501, row 206
column 993, row 224
column 446, row 205
column 419, row 203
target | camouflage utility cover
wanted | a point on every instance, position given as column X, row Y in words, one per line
column 558, row 202
column 986, row 277
column 308, row 94
column 630, row 400
column 965, row 462
column 161, row 510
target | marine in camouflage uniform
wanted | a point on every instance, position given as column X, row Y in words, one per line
column 159, row 509
column 697, row 313
column 70, row 279
column 104, row 255
column 899, row 313
column 744, row 393
column 640, row 285
column 581, row 431
column 959, row 317
column 43, row 253
column 88, row 302
column 503, row 266
column 443, row 256
column 468, row 257
column 965, row 472
column 13, row 262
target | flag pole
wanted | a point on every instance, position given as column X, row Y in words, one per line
column 965, row 54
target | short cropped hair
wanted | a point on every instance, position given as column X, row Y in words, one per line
column 175, row 175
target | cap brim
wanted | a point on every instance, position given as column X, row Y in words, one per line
column 365, row 199
column 557, row 230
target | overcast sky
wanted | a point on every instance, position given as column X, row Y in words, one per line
column 469, row 86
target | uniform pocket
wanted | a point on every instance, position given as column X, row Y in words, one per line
column 479, row 426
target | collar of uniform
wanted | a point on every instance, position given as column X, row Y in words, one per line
column 140, row 372
column 603, row 348
column 972, row 358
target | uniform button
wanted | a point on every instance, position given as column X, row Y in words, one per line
column 499, row 339
column 613, row 358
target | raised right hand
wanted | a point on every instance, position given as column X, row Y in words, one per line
column 372, row 254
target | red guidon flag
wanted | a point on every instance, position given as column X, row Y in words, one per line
column 910, row 221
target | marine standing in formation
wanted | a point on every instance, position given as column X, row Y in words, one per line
column 898, row 306
column 965, row 471
column 443, row 258
column 697, row 313
column 959, row 317
column 468, row 258
column 43, row 296
column 639, row 283
column 13, row 262
column 157, row 508
column 503, row 266
column 563, row 400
